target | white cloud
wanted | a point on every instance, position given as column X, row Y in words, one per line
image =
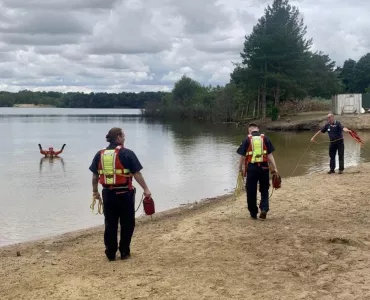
column 137, row 45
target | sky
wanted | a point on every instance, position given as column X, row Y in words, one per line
column 132, row 45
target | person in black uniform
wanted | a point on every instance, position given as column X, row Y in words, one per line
column 257, row 172
column 335, row 131
column 119, row 201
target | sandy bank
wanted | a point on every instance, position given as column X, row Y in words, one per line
column 314, row 120
column 314, row 245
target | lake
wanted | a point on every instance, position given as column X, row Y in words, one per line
column 183, row 162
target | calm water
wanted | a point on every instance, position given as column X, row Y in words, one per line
column 183, row 162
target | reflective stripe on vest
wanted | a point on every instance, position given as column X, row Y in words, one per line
column 258, row 152
column 108, row 164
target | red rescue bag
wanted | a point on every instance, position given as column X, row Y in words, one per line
column 149, row 208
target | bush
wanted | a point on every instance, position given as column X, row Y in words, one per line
column 307, row 105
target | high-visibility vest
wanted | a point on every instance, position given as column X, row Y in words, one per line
column 111, row 170
column 257, row 150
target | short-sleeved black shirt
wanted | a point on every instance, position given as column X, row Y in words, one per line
column 242, row 150
column 127, row 157
column 335, row 131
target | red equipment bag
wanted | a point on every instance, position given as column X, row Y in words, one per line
column 149, row 207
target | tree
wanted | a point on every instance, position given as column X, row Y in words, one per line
column 185, row 90
column 361, row 74
column 322, row 80
column 347, row 75
column 276, row 52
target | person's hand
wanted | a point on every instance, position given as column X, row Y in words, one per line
column 312, row 140
column 147, row 193
column 40, row 146
column 96, row 195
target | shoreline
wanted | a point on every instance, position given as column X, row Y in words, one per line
column 70, row 115
column 141, row 220
column 307, row 121
column 314, row 244
column 315, row 120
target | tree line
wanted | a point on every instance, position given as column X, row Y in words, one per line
column 277, row 67
column 81, row 100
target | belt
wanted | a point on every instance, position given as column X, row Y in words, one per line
column 115, row 187
column 262, row 164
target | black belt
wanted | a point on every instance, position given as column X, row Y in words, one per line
column 116, row 187
column 260, row 164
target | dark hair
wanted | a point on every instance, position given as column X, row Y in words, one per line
column 252, row 125
column 113, row 134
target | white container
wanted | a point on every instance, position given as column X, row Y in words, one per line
column 347, row 104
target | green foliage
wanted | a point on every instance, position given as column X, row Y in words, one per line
column 355, row 76
column 81, row 100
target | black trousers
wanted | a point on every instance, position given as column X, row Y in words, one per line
column 333, row 148
column 257, row 174
column 119, row 206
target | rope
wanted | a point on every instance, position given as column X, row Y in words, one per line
column 309, row 146
column 141, row 201
column 100, row 205
column 239, row 185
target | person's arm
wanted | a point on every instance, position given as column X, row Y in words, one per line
column 42, row 151
column 140, row 180
column 272, row 161
column 95, row 177
column 270, row 156
column 315, row 135
column 241, row 163
column 60, row 151
column 95, row 182
column 322, row 130
column 242, row 151
column 135, row 167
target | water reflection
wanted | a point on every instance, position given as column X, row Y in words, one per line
column 51, row 161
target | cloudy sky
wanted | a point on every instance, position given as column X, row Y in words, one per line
column 146, row 45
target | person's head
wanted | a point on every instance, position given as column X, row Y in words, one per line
column 51, row 149
column 115, row 135
column 252, row 127
column 331, row 118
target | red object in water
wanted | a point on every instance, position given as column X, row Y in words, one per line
column 149, row 208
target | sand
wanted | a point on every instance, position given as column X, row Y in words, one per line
column 315, row 244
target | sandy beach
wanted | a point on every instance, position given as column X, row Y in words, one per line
column 315, row 244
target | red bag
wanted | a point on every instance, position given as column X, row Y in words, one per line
column 149, row 207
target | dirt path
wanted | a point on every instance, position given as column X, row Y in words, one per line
column 315, row 244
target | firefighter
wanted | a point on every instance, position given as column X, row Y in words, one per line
column 114, row 168
column 255, row 156
column 335, row 132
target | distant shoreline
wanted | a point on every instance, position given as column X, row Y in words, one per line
column 72, row 115
column 33, row 106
